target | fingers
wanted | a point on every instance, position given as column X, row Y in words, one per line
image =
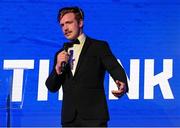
column 61, row 57
column 121, row 89
column 117, row 93
column 121, row 86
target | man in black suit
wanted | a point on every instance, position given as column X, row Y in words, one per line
column 80, row 68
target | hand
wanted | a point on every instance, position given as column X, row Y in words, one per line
column 121, row 89
column 61, row 57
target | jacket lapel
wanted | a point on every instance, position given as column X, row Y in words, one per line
column 84, row 49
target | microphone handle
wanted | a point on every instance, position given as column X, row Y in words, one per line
column 63, row 65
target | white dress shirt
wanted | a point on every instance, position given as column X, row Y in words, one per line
column 76, row 49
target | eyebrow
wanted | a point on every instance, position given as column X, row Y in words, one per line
column 66, row 22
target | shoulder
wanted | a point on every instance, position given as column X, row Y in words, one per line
column 98, row 46
column 97, row 42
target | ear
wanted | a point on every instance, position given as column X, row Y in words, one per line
column 81, row 23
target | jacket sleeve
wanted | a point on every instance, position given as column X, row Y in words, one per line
column 54, row 81
column 112, row 65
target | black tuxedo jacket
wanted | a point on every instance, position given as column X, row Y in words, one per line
column 84, row 92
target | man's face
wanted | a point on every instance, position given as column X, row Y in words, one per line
column 70, row 26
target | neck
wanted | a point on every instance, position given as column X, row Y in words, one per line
column 80, row 33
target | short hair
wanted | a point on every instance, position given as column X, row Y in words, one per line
column 79, row 14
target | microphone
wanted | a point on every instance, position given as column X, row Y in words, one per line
column 63, row 64
column 65, row 48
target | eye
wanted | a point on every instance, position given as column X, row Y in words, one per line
column 62, row 25
column 69, row 22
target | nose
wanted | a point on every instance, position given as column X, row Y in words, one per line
column 65, row 28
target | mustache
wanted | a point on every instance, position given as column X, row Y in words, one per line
column 67, row 32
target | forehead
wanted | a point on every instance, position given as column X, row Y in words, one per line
column 67, row 17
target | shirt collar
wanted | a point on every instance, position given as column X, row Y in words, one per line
column 82, row 38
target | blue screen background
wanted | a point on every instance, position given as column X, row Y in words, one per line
column 134, row 29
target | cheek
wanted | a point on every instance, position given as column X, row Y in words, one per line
column 73, row 27
column 63, row 29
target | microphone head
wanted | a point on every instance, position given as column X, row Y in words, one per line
column 66, row 46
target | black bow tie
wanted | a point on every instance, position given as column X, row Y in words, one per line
column 75, row 42
column 70, row 44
